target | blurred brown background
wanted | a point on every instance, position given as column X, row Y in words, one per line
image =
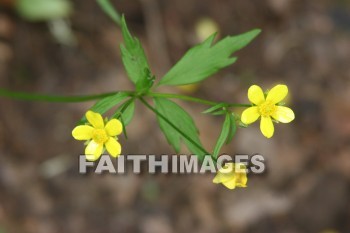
column 305, row 44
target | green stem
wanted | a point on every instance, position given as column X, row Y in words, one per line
column 182, row 97
column 126, row 105
column 120, row 113
column 55, row 98
column 192, row 99
column 172, row 125
column 82, row 98
column 109, row 10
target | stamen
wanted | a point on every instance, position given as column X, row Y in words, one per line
column 100, row 136
column 267, row 108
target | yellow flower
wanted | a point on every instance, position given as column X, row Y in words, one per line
column 267, row 108
column 232, row 175
column 99, row 136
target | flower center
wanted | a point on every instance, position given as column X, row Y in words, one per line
column 267, row 108
column 100, row 136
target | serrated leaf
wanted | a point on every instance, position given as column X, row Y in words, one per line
column 233, row 128
column 206, row 59
column 134, row 58
column 183, row 121
column 106, row 103
column 126, row 112
column 146, row 82
column 214, row 108
column 223, row 136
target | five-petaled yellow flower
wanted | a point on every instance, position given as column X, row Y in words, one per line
column 99, row 135
column 232, row 175
column 267, row 108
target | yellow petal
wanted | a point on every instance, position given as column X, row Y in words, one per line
column 222, row 177
column 266, row 127
column 231, row 184
column 82, row 132
column 113, row 147
column 277, row 93
column 250, row 115
column 217, row 179
column 93, row 151
column 95, row 119
column 256, row 95
column 225, row 173
column 232, row 175
column 240, row 168
column 241, row 180
column 114, row 127
column 283, row 114
column 241, row 175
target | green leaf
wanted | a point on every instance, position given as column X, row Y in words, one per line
column 183, row 121
column 220, row 112
column 146, row 82
column 223, row 136
column 124, row 128
column 107, row 103
column 214, row 108
column 206, row 59
column 233, row 128
column 43, row 10
column 125, row 111
column 134, row 59
column 108, row 8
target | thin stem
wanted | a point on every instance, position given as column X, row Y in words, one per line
column 182, row 97
column 120, row 113
column 172, row 125
column 82, row 98
column 125, row 106
column 193, row 99
column 109, row 10
column 55, row 98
